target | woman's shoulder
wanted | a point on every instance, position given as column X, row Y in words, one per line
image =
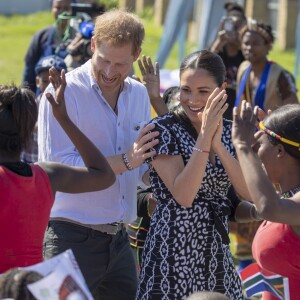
column 244, row 65
column 166, row 119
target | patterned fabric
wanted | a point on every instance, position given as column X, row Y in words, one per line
column 187, row 249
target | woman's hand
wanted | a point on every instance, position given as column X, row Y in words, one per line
column 151, row 80
column 261, row 115
column 244, row 125
column 150, row 77
column 216, row 141
column 58, row 103
column 213, row 112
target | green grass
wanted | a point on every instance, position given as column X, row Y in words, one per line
column 284, row 58
column 16, row 33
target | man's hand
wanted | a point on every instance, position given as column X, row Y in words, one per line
column 140, row 150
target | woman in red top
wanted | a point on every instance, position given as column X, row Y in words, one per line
column 27, row 191
column 273, row 180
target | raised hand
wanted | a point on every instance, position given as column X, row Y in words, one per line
column 243, row 127
column 261, row 114
column 139, row 151
column 150, row 76
column 58, row 81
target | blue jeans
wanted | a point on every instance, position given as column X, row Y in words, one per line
column 105, row 260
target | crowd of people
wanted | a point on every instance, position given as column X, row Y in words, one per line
column 146, row 204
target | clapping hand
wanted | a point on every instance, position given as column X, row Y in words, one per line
column 213, row 112
column 217, row 138
column 58, row 81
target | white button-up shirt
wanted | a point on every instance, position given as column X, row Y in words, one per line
column 112, row 134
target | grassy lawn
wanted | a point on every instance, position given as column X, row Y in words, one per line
column 16, row 33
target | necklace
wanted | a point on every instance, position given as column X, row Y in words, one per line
column 115, row 109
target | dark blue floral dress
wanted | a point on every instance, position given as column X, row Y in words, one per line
column 187, row 249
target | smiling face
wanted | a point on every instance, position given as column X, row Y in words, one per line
column 111, row 64
column 254, row 47
column 196, row 85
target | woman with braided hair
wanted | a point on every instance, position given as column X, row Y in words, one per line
column 27, row 191
column 260, row 81
column 277, row 164
column 187, row 246
column 265, row 84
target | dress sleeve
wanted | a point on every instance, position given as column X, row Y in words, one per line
column 167, row 140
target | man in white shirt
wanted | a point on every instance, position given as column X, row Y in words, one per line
column 111, row 109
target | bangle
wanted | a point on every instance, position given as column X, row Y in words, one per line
column 254, row 214
column 126, row 162
column 200, row 150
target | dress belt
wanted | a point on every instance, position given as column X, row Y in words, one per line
column 112, row 228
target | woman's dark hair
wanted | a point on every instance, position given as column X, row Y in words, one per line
column 213, row 64
column 285, row 121
column 169, row 93
column 13, row 284
column 233, row 6
column 171, row 97
column 18, row 116
column 207, row 60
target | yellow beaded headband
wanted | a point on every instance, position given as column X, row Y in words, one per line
column 277, row 136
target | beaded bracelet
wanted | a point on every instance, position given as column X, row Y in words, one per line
column 200, row 150
column 126, row 162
